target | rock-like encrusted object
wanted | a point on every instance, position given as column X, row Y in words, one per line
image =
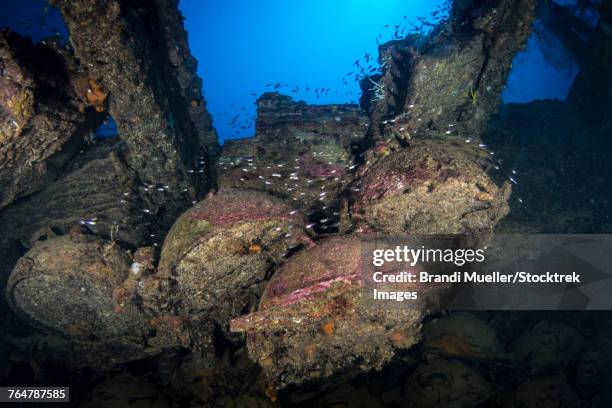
column 453, row 76
column 39, row 114
column 313, row 321
column 430, row 187
column 545, row 392
column 548, row 346
column 303, row 153
column 185, row 70
column 220, row 253
column 74, row 286
column 446, row 383
column 461, row 335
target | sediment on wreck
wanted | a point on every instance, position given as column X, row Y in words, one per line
column 575, row 150
column 453, row 76
column 279, row 117
column 185, row 67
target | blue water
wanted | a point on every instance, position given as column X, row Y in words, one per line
column 32, row 18
column 244, row 45
column 535, row 77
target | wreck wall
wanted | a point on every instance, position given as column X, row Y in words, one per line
column 453, row 76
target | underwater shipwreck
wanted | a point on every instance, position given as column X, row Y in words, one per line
column 159, row 268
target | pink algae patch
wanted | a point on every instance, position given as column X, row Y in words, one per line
column 283, row 310
column 304, row 294
column 314, row 168
column 334, row 260
column 381, row 182
column 229, row 207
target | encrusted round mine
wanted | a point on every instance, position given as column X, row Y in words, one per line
column 219, row 253
column 71, row 285
column 314, row 321
column 431, row 187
